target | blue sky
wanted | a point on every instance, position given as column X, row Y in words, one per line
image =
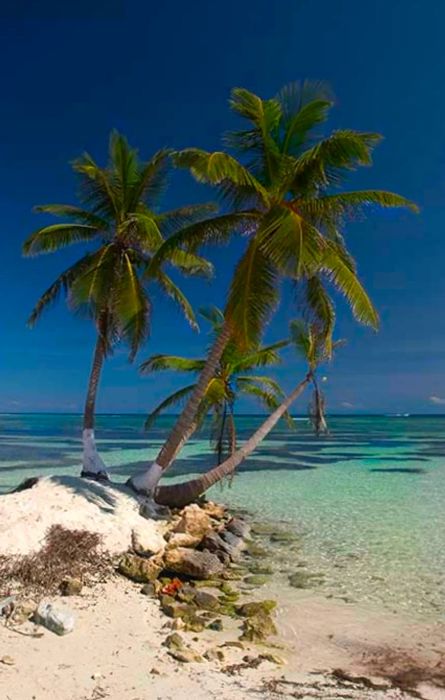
column 161, row 73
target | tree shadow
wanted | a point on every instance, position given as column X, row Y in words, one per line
column 399, row 470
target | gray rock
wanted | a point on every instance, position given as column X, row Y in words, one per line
column 190, row 562
column 56, row 618
column 206, row 600
column 239, row 528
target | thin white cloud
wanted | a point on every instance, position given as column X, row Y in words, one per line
column 347, row 404
column 437, row 400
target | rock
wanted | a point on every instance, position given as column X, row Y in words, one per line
column 183, row 539
column 220, row 545
column 208, row 601
column 200, row 565
column 178, row 624
column 56, row 618
column 139, row 569
column 263, row 528
column 236, row 544
column 256, row 608
column 194, row 624
column 194, row 521
column 148, row 589
column 147, row 541
column 216, row 625
column 214, row 655
column 187, row 593
column 304, row 579
column 256, row 550
column 71, row 586
column 209, row 583
column 258, row 628
column 257, row 568
column 172, row 608
column 239, row 528
column 186, row 656
column 174, row 641
column 282, row 536
column 214, row 510
column 7, row 660
column 256, row 580
column 23, row 611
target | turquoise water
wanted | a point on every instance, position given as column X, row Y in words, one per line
column 368, row 501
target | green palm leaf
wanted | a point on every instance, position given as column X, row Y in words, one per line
column 155, row 363
column 173, row 291
column 51, row 238
column 173, row 400
column 253, row 295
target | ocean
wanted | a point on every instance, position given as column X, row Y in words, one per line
column 367, row 502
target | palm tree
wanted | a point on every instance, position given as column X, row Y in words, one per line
column 118, row 216
column 310, row 342
column 279, row 186
column 234, row 377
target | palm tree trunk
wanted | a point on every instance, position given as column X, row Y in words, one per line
column 147, row 481
column 179, row 495
column 320, row 420
column 92, row 462
column 220, row 444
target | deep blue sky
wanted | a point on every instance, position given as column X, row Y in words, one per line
column 162, row 72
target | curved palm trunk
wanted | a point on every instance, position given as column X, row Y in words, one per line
column 92, row 462
column 185, row 425
column 179, row 495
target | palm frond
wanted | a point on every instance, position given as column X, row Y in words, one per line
column 70, row 211
column 61, row 284
column 51, row 238
column 218, row 168
column 261, row 357
column 253, row 295
column 152, row 180
column 96, row 187
column 131, row 306
column 335, row 208
column 156, row 363
column 173, row 400
column 171, row 221
column 259, row 141
column 217, row 230
column 338, row 271
column 324, row 163
column 173, row 291
column 213, row 315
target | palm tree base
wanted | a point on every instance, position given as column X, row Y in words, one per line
column 102, row 477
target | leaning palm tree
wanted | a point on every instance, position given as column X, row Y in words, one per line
column 280, row 187
column 118, row 218
column 236, row 376
column 310, row 342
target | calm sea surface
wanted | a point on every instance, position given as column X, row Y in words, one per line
column 368, row 501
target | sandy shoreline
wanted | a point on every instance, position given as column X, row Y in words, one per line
column 116, row 649
column 117, row 643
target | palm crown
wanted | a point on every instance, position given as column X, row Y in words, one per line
column 118, row 214
column 234, row 377
column 280, row 191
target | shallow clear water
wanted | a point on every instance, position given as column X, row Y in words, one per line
column 368, row 501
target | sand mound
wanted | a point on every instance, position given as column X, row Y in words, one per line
column 111, row 511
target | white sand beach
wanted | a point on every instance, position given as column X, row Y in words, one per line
column 116, row 649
